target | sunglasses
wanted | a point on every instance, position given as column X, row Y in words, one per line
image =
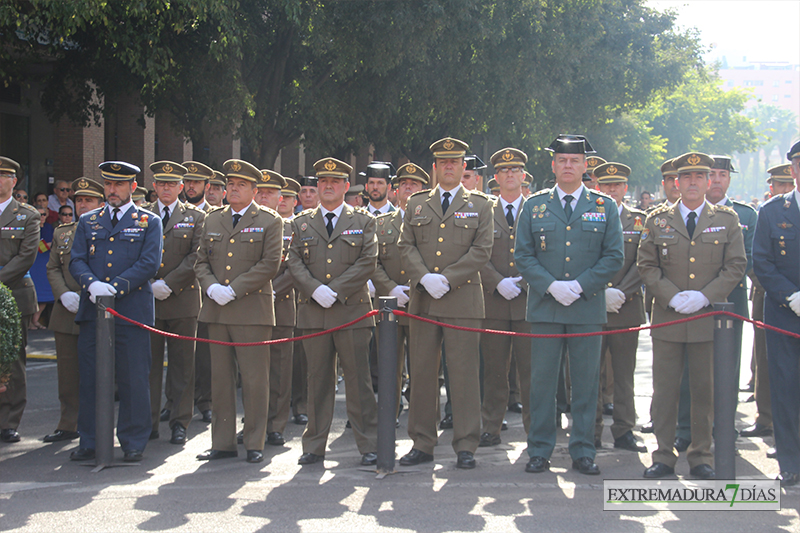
column 21, row 196
column 65, row 214
column 63, row 189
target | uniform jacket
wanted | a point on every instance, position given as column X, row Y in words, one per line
column 246, row 258
column 457, row 245
column 181, row 239
column 61, row 281
column 389, row 272
column 587, row 248
column 343, row 261
column 713, row 262
column 283, row 284
column 628, row 279
column 776, row 258
column 126, row 256
column 747, row 221
column 19, row 245
column 501, row 265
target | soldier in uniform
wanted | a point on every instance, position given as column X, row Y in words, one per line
column 19, row 242
column 445, row 241
column 691, row 254
column 472, row 177
column 309, row 195
column 67, row 293
column 592, row 162
column 379, row 177
column 177, row 296
column 625, row 309
column 117, row 252
column 139, row 196
column 288, row 199
column 332, row 256
column 216, row 189
column 196, row 183
column 569, row 246
column 505, row 293
column 776, row 247
column 239, row 255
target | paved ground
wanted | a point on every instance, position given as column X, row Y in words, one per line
column 41, row 490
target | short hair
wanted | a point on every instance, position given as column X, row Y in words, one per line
column 63, row 207
column 645, row 192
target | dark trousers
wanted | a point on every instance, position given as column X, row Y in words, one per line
column 783, row 355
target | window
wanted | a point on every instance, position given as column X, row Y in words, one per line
column 774, row 97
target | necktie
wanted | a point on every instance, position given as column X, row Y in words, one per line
column 510, row 216
column 236, row 218
column 329, row 225
column 691, row 224
column 376, row 212
column 115, row 217
column 445, row 202
column 568, row 205
column 165, row 219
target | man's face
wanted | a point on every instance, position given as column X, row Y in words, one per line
column 65, row 215
column 62, row 190
column 40, row 200
column 569, row 169
column 718, row 182
column 8, row 180
column 470, row 179
column 646, row 200
column 84, row 204
column 268, row 197
column 377, row 189
column 168, row 191
column 353, row 199
column 449, row 171
column 240, row 192
column 286, row 205
column 214, row 194
column 195, row 190
column 509, row 179
column 406, row 188
column 780, row 187
column 693, row 186
column 309, row 197
column 331, row 191
column 21, row 196
column 671, row 191
column 118, row 193
column 614, row 190
column 591, row 183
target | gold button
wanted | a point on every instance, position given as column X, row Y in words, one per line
column 184, row 235
column 328, row 276
column 469, row 281
column 111, row 239
column 442, row 225
column 402, row 271
column 162, row 265
column 123, row 292
column 109, row 265
column 436, row 269
column 569, row 228
column 233, row 241
column 692, row 243
column 569, row 243
column 610, row 284
column 511, row 264
column 783, row 252
column 781, row 237
column 691, row 259
column 329, row 261
column 116, row 284
column 110, row 252
column 163, row 236
column 441, row 239
column 630, row 240
column 230, row 254
column 329, row 246
column 691, row 276
column 566, row 275
column 227, row 281
column 108, row 279
column 306, row 244
column 15, row 237
column 438, row 252
column 716, row 242
column 511, row 250
column 511, row 237
column 352, row 244
column 227, row 267
column 567, row 259
column 251, row 240
column 595, row 229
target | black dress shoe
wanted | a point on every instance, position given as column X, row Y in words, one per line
column 132, row 456
column 347, row 425
column 301, row 420
column 682, row 444
column 275, row 439
column 703, row 472
column 415, row 457
column 658, row 470
column 647, row 428
column 629, row 442
column 772, row 453
column 153, row 435
column 240, row 437
column 608, row 409
column 487, row 439
column 309, row 459
column 466, row 460
column 254, row 456
column 756, row 430
column 178, row 435
column 598, row 444
column 206, row 416
column 504, row 425
column 515, row 407
column 59, row 435
column 164, row 416
column 788, row 479
column 82, row 454
column 447, row 422
column 369, row 459
column 212, row 455
column 9, row 435
column 586, row 466
column 537, row 464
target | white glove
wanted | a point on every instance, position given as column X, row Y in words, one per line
column 614, row 300
column 575, row 287
column 98, row 288
column 324, row 296
column 436, row 285
column 508, row 287
column 400, row 293
column 563, row 293
column 221, row 294
column 695, row 301
column 160, row 289
column 71, row 301
column 794, row 303
column 371, row 287
column 677, row 300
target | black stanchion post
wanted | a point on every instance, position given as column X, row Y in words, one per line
column 104, row 385
column 387, row 383
column 726, row 386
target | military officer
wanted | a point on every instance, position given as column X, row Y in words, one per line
column 67, row 293
column 299, row 399
column 776, row 247
column 691, row 254
column 288, row 199
column 625, row 309
column 505, row 293
column 177, row 299
column 445, row 241
column 309, row 195
column 569, row 246
column 471, row 180
column 239, row 255
column 592, row 162
column 117, row 252
column 379, row 177
column 196, row 183
column 139, row 196
column 216, row 189
column 332, row 256
column 19, row 241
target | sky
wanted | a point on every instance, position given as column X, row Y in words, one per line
column 759, row 30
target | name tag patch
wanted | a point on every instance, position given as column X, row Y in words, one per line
column 465, row 214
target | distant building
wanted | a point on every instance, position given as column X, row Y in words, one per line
column 775, row 84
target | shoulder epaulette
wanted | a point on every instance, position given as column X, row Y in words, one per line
column 28, row 207
column 388, row 213
column 636, row 211
column 660, row 209
column 65, row 226
column 480, row 193
column 539, row 193
column 600, row 193
column 743, row 204
column 423, row 191
column 725, row 209
column 148, row 212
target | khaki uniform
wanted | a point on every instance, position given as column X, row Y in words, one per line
column 343, row 261
column 712, row 261
column 19, row 244
column 202, row 357
column 177, row 314
column 62, row 322
column 456, row 244
column 246, row 258
column 504, row 315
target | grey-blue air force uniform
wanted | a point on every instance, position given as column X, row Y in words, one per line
column 587, row 248
column 127, row 256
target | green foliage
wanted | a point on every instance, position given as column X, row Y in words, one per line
column 10, row 332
